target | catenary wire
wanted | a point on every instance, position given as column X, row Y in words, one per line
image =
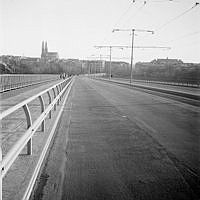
column 177, row 17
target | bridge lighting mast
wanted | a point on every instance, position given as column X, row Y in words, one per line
column 132, row 43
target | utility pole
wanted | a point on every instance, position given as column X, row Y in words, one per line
column 110, row 48
column 110, row 55
column 133, row 31
column 99, row 58
column 102, row 61
column 101, row 64
column 132, row 44
column 82, row 72
column 132, row 47
column 110, row 63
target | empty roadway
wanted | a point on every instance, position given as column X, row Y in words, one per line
column 115, row 142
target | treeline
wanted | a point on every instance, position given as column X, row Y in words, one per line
column 38, row 66
column 178, row 73
column 118, row 69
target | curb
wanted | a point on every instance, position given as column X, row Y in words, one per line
column 177, row 93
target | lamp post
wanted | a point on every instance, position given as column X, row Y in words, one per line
column 132, row 44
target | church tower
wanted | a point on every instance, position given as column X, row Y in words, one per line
column 46, row 48
column 42, row 54
column 46, row 55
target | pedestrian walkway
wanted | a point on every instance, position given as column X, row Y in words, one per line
column 13, row 97
column 13, row 127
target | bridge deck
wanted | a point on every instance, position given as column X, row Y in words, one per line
column 117, row 143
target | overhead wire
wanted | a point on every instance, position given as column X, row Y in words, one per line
column 123, row 14
column 137, row 11
column 189, row 44
column 177, row 17
column 163, row 25
column 184, row 36
column 164, row 1
column 193, row 41
column 118, row 20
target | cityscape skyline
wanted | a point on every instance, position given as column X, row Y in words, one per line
column 73, row 28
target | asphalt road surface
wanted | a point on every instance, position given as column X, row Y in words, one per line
column 115, row 143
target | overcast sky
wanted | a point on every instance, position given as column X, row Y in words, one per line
column 73, row 27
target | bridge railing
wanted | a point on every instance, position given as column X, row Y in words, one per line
column 185, row 83
column 179, row 82
column 13, row 81
column 55, row 94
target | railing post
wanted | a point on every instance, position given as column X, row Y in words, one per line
column 0, row 175
column 63, row 85
column 57, row 89
column 60, row 86
column 29, row 123
column 54, row 93
column 49, row 95
column 58, row 94
column 42, row 110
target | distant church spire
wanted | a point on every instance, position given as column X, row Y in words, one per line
column 46, row 55
column 42, row 49
column 46, row 48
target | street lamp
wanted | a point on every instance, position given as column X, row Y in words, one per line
column 132, row 44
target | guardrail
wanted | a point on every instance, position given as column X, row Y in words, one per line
column 178, row 83
column 183, row 83
column 14, row 81
column 58, row 91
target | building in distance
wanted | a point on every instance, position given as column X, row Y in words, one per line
column 46, row 55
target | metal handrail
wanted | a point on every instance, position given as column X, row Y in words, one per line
column 182, row 82
column 16, row 107
column 26, row 139
column 173, row 83
column 14, row 81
